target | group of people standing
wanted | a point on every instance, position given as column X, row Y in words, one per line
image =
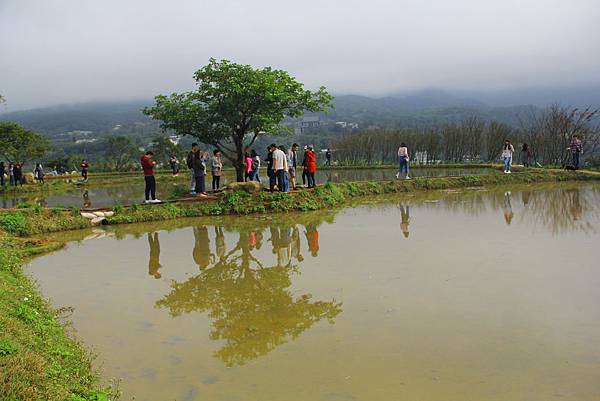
column 14, row 172
column 282, row 167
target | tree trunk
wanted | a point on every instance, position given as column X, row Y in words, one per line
column 239, row 164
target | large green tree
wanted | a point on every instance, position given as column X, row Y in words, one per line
column 234, row 104
column 20, row 145
column 120, row 151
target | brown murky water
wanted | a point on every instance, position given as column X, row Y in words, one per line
column 481, row 296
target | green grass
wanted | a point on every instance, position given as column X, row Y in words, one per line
column 38, row 360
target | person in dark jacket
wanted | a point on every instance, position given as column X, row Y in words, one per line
column 199, row 169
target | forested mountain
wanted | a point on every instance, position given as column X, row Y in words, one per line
column 424, row 108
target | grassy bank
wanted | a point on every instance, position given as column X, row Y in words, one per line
column 38, row 359
column 32, row 221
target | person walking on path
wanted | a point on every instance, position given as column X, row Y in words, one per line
column 215, row 169
column 526, row 155
column 280, row 168
column 311, row 167
column 38, row 173
column 174, row 163
column 189, row 161
column 575, row 148
column 148, row 168
column 84, row 169
column 255, row 176
column 403, row 161
column 2, row 173
column 507, row 155
column 199, row 169
column 292, row 160
column 270, row 167
column 247, row 167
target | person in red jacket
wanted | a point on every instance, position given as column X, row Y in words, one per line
column 148, row 167
column 311, row 167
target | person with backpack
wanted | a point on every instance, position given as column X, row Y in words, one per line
column 575, row 148
column 403, row 161
column 255, row 166
column 38, row 173
column 189, row 161
column 215, row 169
column 148, row 168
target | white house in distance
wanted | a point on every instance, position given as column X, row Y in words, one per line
column 307, row 123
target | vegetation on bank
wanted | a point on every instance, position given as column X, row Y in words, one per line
column 38, row 358
column 36, row 220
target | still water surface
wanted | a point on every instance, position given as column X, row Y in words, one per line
column 126, row 194
column 483, row 296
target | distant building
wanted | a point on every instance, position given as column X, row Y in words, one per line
column 91, row 140
column 174, row 139
column 308, row 123
column 346, row 125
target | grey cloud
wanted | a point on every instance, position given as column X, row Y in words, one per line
column 65, row 51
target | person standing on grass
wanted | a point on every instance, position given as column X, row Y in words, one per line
column 292, row 159
column 280, row 167
column 526, row 155
column 328, row 157
column 575, row 148
column 148, row 168
column 215, row 169
column 2, row 172
column 247, row 167
column 84, row 169
column 403, row 161
column 39, row 173
column 255, row 166
column 18, row 174
column 270, row 167
column 507, row 155
column 199, row 168
column 174, row 163
column 189, row 161
column 11, row 175
column 304, row 170
column 311, row 167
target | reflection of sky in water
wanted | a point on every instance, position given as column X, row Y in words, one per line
column 412, row 299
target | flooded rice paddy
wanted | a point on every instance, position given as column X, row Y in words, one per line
column 126, row 194
column 478, row 296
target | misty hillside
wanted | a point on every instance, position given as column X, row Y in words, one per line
column 421, row 109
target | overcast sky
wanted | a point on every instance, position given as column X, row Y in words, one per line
column 66, row 51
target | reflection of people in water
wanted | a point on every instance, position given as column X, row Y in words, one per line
column 312, row 237
column 526, row 195
column 154, row 261
column 296, row 247
column 508, row 212
column 404, row 219
column 201, row 252
column 220, row 247
column 87, row 203
column 575, row 207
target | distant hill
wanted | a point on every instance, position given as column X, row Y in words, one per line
column 420, row 109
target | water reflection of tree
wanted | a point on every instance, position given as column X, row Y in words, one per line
column 251, row 304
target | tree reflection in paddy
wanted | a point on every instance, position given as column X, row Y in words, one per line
column 251, row 305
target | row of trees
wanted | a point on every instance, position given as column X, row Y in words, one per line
column 547, row 132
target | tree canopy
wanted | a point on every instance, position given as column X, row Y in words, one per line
column 234, row 104
column 20, row 145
